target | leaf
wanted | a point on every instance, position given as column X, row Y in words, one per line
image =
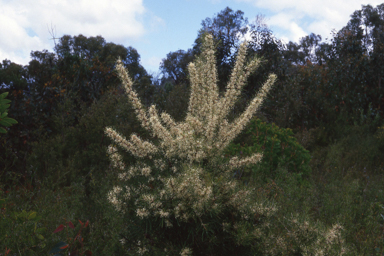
column 3, row 95
column 40, row 236
column 5, row 123
column 64, row 247
column 70, row 224
column 81, row 223
column 60, row 228
column 38, row 218
column 23, row 214
column 39, row 230
column 10, row 120
column 3, row 107
column 86, row 224
column 32, row 215
column 2, row 130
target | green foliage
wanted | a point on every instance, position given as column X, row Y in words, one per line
column 80, row 72
column 85, row 66
column 55, row 207
column 20, row 231
column 77, row 155
column 176, row 102
column 7, row 159
column 4, row 120
column 368, row 119
column 79, row 150
column 13, row 75
column 174, row 67
column 367, row 151
column 337, row 82
column 279, row 148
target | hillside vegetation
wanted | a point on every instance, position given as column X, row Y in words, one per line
column 320, row 129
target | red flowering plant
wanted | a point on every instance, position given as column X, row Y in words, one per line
column 73, row 246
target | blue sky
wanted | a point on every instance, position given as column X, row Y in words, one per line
column 156, row 27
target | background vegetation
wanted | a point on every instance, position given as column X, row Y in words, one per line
column 324, row 118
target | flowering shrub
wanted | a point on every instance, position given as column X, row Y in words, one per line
column 180, row 197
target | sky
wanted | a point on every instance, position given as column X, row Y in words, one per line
column 156, row 27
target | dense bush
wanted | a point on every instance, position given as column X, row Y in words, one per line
column 78, row 150
column 279, row 146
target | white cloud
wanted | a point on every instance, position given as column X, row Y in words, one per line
column 25, row 23
column 293, row 19
column 156, row 23
column 153, row 63
column 286, row 22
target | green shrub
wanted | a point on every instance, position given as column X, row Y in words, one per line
column 20, row 231
column 79, row 151
column 4, row 120
column 76, row 158
column 279, row 147
column 7, row 159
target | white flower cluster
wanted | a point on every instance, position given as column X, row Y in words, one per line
column 203, row 135
column 186, row 252
column 205, row 130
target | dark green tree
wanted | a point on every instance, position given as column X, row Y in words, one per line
column 227, row 28
column 357, row 62
column 339, row 81
column 87, row 65
column 12, row 76
column 174, row 67
column 55, row 88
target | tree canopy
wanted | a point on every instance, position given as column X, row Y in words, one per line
column 317, row 82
